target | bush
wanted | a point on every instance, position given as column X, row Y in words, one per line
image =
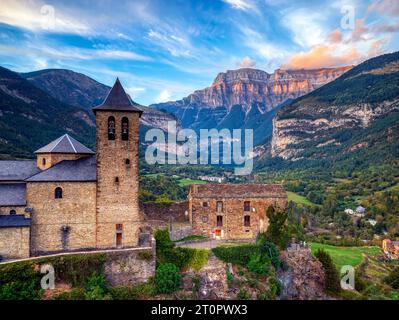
column 96, row 287
column 168, row 278
column 277, row 231
column 243, row 295
column 258, row 265
column 393, row 278
column 19, row 281
column 137, row 292
column 332, row 283
column 275, row 287
column 164, row 246
column 239, row 255
column 74, row 294
column 145, row 255
column 270, row 250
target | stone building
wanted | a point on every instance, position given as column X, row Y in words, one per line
column 71, row 198
column 233, row 211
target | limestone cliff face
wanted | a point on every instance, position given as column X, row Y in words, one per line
column 247, row 98
column 328, row 119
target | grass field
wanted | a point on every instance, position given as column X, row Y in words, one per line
column 292, row 196
column 342, row 256
column 187, row 182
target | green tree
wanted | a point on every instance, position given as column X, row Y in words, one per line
column 168, row 278
column 277, row 230
column 332, row 281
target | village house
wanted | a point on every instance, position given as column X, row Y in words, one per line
column 233, row 211
column 71, row 198
column 391, row 248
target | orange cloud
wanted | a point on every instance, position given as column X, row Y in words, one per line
column 360, row 30
column 335, row 36
column 388, row 7
column 247, row 62
column 322, row 56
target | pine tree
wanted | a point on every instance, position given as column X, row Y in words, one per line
column 332, row 281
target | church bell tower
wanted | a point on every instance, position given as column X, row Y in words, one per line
column 117, row 214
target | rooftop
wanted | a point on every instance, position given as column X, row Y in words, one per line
column 17, row 170
column 238, row 191
column 13, row 194
column 14, row 221
column 65, row 144
column 82, row 170
column 118, row 100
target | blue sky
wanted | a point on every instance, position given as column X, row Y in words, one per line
column 165, row 49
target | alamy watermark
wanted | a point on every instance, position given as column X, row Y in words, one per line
column 211, row 146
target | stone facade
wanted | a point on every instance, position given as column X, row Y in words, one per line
column 14, row 242
column 5, row 210
column 47, row 160
column 62, row 224
column 230, row 215
column 117, row 181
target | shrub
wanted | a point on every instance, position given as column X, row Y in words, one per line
column 168, row 278
column 277, row 231
column 332, row 283
column 269, row 249
column 230, row 278
column 19, row 281
column 164, row 246
column 393, row 278
column 243, row 295
column 137, row 292
column 239, row 255
column 96, row 287
column 275, row 287
column 258, row 265
column 74, row 294
column 199, row 259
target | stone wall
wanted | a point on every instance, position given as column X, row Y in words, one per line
column 18, row 209
column 14, row 243
column 204, row 218
column 52, row 159
column 117, row 181
column 62, row 224
column 176, row 212
column 130, row 267
column 180, row 231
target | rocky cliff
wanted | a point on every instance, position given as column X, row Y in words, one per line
column 247, row 98
column 342, row 116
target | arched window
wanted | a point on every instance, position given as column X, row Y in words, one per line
column 13, row 212
column 125, row 129
column 111, row 128
column 127, row 161
column 44, row 161
column 58, row 193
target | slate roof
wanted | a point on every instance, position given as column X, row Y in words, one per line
column 69, row 170
column 118, row 100
column 65, row 144
column 17, row 170
column 238, row 191
column 14, row 221
column 13, row 194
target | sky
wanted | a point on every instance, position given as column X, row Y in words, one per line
column 164, row 50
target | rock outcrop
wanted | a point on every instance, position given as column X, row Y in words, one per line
column 305, row 278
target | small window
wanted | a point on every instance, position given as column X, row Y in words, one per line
column 204, row 219
column 247, row 221
column 205, row 204
column 127, row 161
column 58, row 193
column 219, row 221
column 116, row 179
column 247, row 206
column 111, row 128
column 44, row 161
column 219, row 206
column 12, row 212
column 119, row 227
column 125, row 129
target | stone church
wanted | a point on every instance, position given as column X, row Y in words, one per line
column 71, row 198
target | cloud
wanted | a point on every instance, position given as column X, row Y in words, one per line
column 35, row 15
column 244, row 5
column 388, row 7
column 135, row 91
column 335, row 36
column 360, row 30
column 386, row 28
column 247, row 62
column 164, row 96
column 323, row 56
